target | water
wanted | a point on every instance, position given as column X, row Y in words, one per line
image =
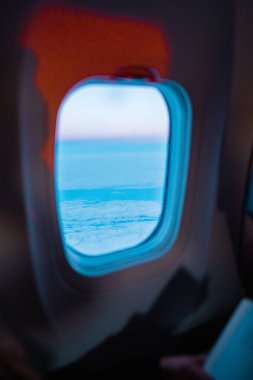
column 109, row 192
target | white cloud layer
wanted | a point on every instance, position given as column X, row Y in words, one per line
column 98, row 111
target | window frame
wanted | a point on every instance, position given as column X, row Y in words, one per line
column 164, row 235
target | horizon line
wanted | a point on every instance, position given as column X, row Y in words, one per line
column 150, row 138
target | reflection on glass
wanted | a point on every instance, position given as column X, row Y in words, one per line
column 110, row 158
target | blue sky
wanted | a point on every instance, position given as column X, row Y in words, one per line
column 98, row 111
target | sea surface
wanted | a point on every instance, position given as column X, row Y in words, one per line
column 109, row 192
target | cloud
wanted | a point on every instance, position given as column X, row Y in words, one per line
column 113, row 111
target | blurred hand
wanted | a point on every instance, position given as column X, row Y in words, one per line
column 184, row 367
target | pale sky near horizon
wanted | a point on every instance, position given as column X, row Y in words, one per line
column 100, row 111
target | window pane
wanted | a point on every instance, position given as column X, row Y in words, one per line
column 111, row 154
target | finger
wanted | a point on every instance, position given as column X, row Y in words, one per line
column 170, row 362
column 200, row 359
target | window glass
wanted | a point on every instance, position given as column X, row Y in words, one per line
column 110, row 165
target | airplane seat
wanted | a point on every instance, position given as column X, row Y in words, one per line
column 235, row 185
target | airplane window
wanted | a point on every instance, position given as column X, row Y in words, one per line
column 121, row 159
column 111, row 156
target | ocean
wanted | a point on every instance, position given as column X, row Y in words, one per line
column 109, row 192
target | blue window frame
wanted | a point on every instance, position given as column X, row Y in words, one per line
column 164, row 232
